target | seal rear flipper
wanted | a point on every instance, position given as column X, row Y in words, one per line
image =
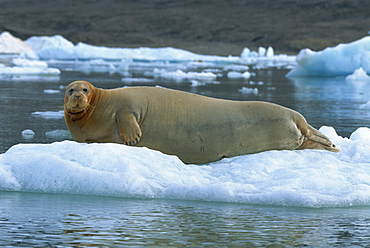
column 314, row 139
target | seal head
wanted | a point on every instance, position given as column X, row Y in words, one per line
column 78, row 98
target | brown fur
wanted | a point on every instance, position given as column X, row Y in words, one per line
column 195, row 128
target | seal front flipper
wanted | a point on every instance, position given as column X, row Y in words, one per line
column 128, row 128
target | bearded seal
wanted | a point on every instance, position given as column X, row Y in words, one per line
column 197, row 129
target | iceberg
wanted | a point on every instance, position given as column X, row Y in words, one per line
column 12, row 45
column 301, row 178
column 57, row 47
column 341, row 60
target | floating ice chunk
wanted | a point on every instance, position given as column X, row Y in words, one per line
column 181, row 75
column 270, row 52
column 49, row 91
column 238, row 75
column 252, row 91
column 137, row 80
column 51, row 47
column 261, row 51
column 10, row 44
column 234, row 75
column 29, row 63
column 59, row 134
column 246, row 75
column 50, row 114
column 245, row 53
column 341, row 60
column 29, row 71
column 57, row 47
column 96, row 65
column 358, row 75
column 238, row 68
column 28, row 134
column 196, row 83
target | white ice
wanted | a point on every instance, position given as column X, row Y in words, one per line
column 251, row 91
column 28, row 134
column 57, row 47
column 51, row 91
column 61, row 53
column 358, row 75
column 12, row 45
column 50, row 114
column 238, row 75
column 341, row 60
column 20, row 70
column 304, row 178
column 180, row 75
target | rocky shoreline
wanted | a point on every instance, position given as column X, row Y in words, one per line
column 219, row 27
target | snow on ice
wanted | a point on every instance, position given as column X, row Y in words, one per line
column 304, row 178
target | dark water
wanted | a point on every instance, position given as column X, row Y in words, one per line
column 50, row 220
column 44, row 220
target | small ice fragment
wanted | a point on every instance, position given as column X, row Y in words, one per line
column 28, row 134
column 59, row 134
column 358, row 75
column 246, row 75
column 270, row 52
column 245, row 90
column 261, row 51
column 51, row 91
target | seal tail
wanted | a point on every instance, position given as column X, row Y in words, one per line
column 313, row 138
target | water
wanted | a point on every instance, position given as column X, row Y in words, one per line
column 55, row 220
column 45, row 220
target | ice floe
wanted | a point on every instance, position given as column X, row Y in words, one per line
column 305, row 178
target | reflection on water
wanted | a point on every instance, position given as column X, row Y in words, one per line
column 57, row 220
column 81, row 221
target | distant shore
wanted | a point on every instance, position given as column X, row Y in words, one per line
column 218, row 27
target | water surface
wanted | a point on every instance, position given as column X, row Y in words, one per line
column 46, row 220
column 54, row 220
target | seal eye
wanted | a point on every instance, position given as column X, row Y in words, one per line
column 70, row 91
column 85, row 90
